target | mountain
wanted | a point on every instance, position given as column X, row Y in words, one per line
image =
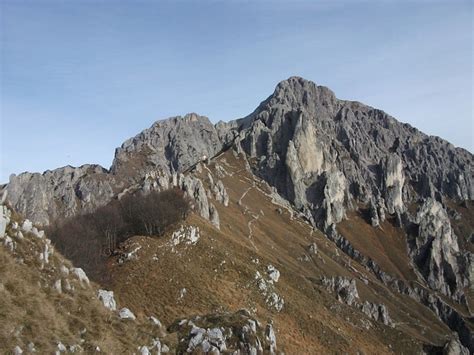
column 346, row 228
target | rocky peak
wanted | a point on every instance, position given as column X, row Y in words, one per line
column 302, row 132
column 300, row 93
column 171, row 145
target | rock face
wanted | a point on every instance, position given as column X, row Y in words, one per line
column 325, row 156
column 345, row 289
column 454, row 347
column 377, row 312
column 320, row 153
column 63, row 192
column 171, row 145
column 346, row 292
column 4, row 219
column 435, row 250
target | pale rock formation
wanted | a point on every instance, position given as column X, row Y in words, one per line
column 58, row 286
column 171, row 145
column 344, row 288
column 194, row 188
column 4, row 219
column 214, row 216
column 435, row 250
column 267, row 290
column 242, row 335
column 64, row 270
column 377, row 312
column 155, row 321
column 9, row 243
column 107, row 298
column 454, row 347
column 47, row 251
column 334, row 198
column 27, row 226
column 63, row 192
column 393, row 183
column 220, row 193
column 81, row 275
column 37, row 233
column 346, row 292
column 273, row 273
column 313, row 248
column 271, row 338
column 185, row 235
column 125, row 313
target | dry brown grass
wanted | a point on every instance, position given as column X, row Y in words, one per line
column 218, row 274
column 31, row 310
column 312, row 320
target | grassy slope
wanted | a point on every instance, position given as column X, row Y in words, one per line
column 218, row 274
column 31, row 310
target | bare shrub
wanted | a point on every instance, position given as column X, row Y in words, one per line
column 88, row 240
column 153, row 213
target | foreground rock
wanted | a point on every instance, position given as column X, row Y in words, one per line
column 224, row 333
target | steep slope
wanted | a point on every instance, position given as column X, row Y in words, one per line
column 49, row 306
column 233, row 267
column 388, row 208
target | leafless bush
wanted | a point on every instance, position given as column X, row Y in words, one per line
column 88, row 240
column 153, row 213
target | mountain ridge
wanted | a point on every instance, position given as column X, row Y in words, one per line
column 331, row 163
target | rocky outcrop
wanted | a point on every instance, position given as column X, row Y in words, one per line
column 393, row 181
column 266, row 287
column 435, row 250
column 194, row 188
column 319, row 152
column 220, row 193
column 344, row 288
column 377, row 312
column 324, row 155
column 454, row 347
column 346, row 292
column 224, row 333
column 4, row 219
column 125, row 313
column 172, row 145
column 107, row 298
column 63, row 192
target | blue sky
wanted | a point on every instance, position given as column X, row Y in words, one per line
column 79, row 77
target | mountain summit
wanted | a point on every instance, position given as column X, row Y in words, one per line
column 341, row 192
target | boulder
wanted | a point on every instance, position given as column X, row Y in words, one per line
column 81, row 275
column 107, row 298
column 125, row 313
column 273, row 273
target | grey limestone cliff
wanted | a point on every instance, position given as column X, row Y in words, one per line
column 324, row 155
